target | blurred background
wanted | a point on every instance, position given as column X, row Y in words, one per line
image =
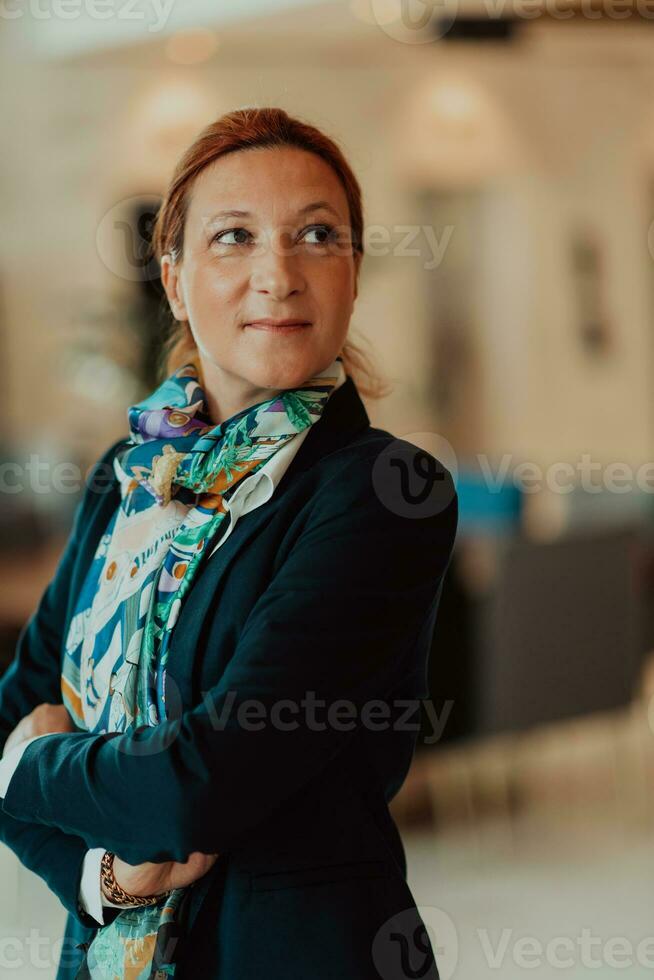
column 506, row 156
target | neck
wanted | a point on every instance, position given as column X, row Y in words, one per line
column 235, row 392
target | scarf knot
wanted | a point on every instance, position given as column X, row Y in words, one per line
column 164, row 468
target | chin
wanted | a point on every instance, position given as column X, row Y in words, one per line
column 282, row 375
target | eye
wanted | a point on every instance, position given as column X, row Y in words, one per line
column 229, row 231
column 326, row 230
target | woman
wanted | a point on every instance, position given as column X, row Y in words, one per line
column 206, row 717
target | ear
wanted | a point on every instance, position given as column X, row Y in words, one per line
column 171, row 282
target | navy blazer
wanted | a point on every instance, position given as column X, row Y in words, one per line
column 329, row 591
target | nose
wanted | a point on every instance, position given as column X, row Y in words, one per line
column 276, row 269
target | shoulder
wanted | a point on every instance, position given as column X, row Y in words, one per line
column 378, row 461
column 382, row 485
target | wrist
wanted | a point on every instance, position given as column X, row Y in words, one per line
column 115, row 893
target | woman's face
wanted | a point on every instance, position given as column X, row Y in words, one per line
column 278, row 260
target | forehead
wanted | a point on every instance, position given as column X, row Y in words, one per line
column 267, row 182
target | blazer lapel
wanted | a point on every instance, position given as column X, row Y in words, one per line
column 343, row 417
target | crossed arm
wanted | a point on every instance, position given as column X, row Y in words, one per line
column 47, row 719
column 338, row 620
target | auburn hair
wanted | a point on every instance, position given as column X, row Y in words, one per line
column 243, row 129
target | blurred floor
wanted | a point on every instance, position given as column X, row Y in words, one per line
column 595, row 888
column 31, row 923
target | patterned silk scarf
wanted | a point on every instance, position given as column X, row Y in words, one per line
column 176, row 472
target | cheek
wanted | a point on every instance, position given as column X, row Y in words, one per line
column 333, row 283
column 211, row 294
column 211, row 286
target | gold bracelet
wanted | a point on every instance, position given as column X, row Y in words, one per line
column 118, row 894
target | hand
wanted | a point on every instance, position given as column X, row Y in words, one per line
column 46, row 719
column 155, row 879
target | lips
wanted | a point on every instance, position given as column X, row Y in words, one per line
column 279, row 326
column 278, row 323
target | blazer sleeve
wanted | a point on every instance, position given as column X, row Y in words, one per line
column 31, row 679
column 339, row 620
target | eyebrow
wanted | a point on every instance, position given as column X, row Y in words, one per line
column 307, row 209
